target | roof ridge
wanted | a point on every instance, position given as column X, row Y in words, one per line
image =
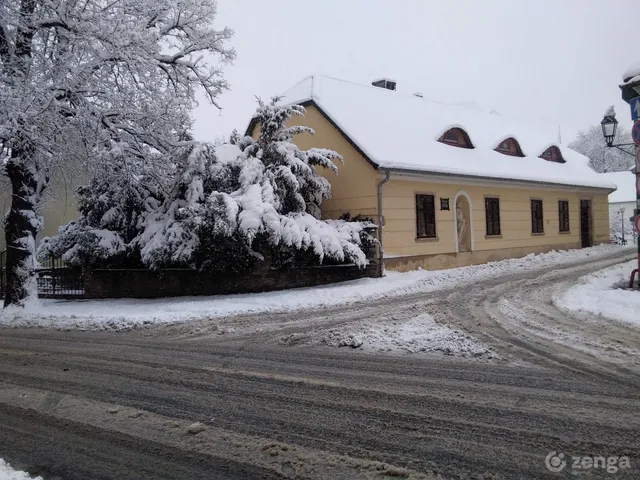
column 396, row 92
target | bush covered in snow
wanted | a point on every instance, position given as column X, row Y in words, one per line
column 227, row 208
column 112, row 209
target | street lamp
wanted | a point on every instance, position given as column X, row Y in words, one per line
column 622, row 216
column 609, row 126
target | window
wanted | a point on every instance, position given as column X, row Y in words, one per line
column 563, row 215
column 451, row 137
column 553, row 154
column 456, row 137
column 426, row 216
column 510, row 147
column 537, row 225
column 492, row 212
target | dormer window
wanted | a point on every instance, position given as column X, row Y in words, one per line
column 553, row 154
column 511, row 147
column 451, row 137
column 456, row 137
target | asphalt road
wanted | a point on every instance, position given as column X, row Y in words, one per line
column 84, row 405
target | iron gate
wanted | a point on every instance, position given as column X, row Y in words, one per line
column 56, row 280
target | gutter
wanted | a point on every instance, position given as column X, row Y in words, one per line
column 380, row 246
column 409, row 171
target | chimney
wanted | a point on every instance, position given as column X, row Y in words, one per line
column 385, row 83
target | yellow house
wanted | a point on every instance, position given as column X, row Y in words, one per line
column 448, row 184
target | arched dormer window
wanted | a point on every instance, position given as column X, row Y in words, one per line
column 553, row 154
column 456, row 137
column 510, row 146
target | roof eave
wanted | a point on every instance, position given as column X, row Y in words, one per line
column 409, row 171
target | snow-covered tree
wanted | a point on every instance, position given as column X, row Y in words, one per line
column 112, row 208
column 291, row 171
column 99, row 77
column 234, row 204
column 603, row 159
column 229, row 206
column 619, row 222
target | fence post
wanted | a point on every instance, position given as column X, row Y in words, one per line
column 2, row 254
column 53, row 274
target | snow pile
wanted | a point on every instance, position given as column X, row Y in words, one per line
column 604, row 293
column 132, row 313
column 8, row 473
column 420, row 334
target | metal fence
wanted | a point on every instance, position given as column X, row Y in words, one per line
column 57, row 280
column 3, row 272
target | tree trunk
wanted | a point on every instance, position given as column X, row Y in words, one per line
column 21, row 226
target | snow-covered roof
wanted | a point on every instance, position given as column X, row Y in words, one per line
column 400, row 131
column 626, row 182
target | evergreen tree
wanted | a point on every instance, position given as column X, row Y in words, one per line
column 227, row 208
column 111, row 212
column 291, row 171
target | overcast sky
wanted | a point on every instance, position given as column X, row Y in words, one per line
column 545, row 63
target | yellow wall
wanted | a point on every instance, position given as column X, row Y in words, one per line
column 399, row 232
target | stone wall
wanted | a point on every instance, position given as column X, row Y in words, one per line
column 103, row 283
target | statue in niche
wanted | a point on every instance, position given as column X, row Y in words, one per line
column 462, row 229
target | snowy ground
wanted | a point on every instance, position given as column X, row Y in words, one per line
column 589, row 314
column 421, row 334
column 8, row 473
column 125, row 314
column 604, row 293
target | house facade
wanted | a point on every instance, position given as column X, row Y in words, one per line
column 449, row 185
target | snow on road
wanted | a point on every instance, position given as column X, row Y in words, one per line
column 603, row 293
column 122, row 314
column 421, row 334
column 8, row 473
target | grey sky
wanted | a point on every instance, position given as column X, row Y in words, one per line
column 541, row 62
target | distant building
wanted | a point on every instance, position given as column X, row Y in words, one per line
column 625, row 195
column 456, row 185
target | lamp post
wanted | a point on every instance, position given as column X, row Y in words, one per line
column 609, row 126
column 622, row 217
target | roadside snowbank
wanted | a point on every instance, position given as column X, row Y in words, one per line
column 124, row 314
column 602, row 293
column 8, row 473
column 420, row 334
